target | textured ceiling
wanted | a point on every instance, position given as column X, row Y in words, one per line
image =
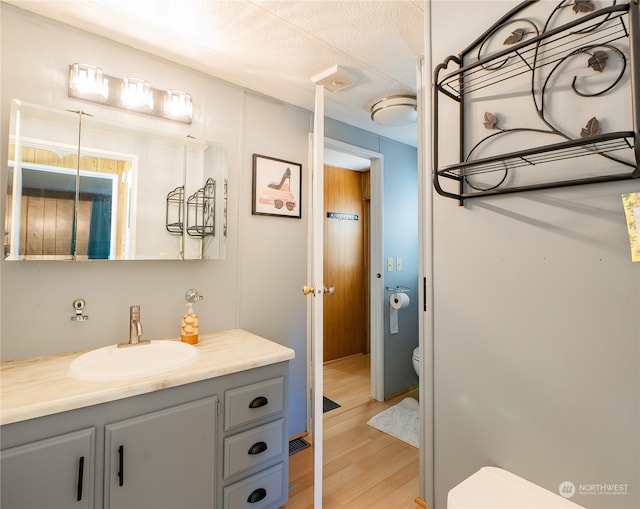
column 271, row 46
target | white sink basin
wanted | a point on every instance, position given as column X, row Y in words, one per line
column 113, row 363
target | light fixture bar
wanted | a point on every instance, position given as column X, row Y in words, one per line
column 88, row 82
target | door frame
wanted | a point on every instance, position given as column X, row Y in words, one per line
column 376, row 274
column 315, row 385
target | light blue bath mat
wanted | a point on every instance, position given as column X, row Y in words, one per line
column 401, row 421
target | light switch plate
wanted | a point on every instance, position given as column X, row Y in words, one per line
column 389, row 264
column 398, row 263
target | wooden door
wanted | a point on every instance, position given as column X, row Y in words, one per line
column 345, row 263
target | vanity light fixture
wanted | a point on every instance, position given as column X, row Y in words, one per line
column 396, row 110
column 89, row 82
column 136, row 94
column 177, row 105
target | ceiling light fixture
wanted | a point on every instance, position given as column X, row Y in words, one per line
column 395, row 110
column 89, row 82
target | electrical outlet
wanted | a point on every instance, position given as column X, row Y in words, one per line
column 398, row 263
column 389, row 264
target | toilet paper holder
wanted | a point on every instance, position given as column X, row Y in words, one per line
column 398, row 300
column 396, row 289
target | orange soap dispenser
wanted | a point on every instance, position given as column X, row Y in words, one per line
column 189, row 327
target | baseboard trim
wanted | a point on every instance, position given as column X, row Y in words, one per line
column 304, row 435
column 406, row 391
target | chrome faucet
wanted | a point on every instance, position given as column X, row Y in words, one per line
column 135, row 329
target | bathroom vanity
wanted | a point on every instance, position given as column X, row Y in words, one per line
column 211, row 434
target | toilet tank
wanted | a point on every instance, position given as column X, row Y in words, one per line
column 495, row 488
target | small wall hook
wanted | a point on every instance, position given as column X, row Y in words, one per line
column 78, row 305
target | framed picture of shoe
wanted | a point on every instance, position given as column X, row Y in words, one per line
column 276, row 187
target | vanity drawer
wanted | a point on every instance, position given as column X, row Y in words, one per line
column 253, row 402
column 260, row 490
column 250, row 448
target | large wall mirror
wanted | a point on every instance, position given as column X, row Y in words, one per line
column 82, row 189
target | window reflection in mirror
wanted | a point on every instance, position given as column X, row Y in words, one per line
column 43, row 162
column 83, row 189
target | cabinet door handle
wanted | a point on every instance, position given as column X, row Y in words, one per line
column 257, row 448
column 121, row 465
column 257, row 495
column 258, row 402
column 80, row 478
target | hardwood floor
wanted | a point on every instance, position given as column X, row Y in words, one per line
column 363, row 467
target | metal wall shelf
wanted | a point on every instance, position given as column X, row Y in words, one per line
column 174, row 221
column 539, row 53
column 201, row 211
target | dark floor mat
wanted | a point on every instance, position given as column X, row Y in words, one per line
column 328, row 404
column 297, row 445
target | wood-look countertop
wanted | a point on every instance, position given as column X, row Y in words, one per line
column 40, row 386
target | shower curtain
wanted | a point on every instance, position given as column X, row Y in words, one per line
column 100, row 228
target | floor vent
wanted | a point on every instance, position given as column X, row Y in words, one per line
column 297, row 445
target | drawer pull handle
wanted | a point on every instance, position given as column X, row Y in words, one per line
column 257, row 448
column 121, row 465
column 80, row 478
column 257, row 495
column 258, row 402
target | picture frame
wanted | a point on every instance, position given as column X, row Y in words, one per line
column 277, row 186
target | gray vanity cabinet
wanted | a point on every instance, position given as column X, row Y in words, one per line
column 54, row 473
column 218, row 443
column 255, row 446
column 164, row 459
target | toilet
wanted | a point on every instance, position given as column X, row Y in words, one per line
column 495, row 488
column 416, row 360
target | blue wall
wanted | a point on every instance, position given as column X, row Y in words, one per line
column 401, row 240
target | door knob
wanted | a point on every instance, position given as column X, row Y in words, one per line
column 306, row 290
column 329, row 290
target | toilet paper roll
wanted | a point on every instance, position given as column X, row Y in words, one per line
column 396, row 301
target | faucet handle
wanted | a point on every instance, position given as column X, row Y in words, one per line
column 135, row 329
column 192, row 295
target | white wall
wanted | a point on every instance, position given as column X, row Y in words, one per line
column 537, row 324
